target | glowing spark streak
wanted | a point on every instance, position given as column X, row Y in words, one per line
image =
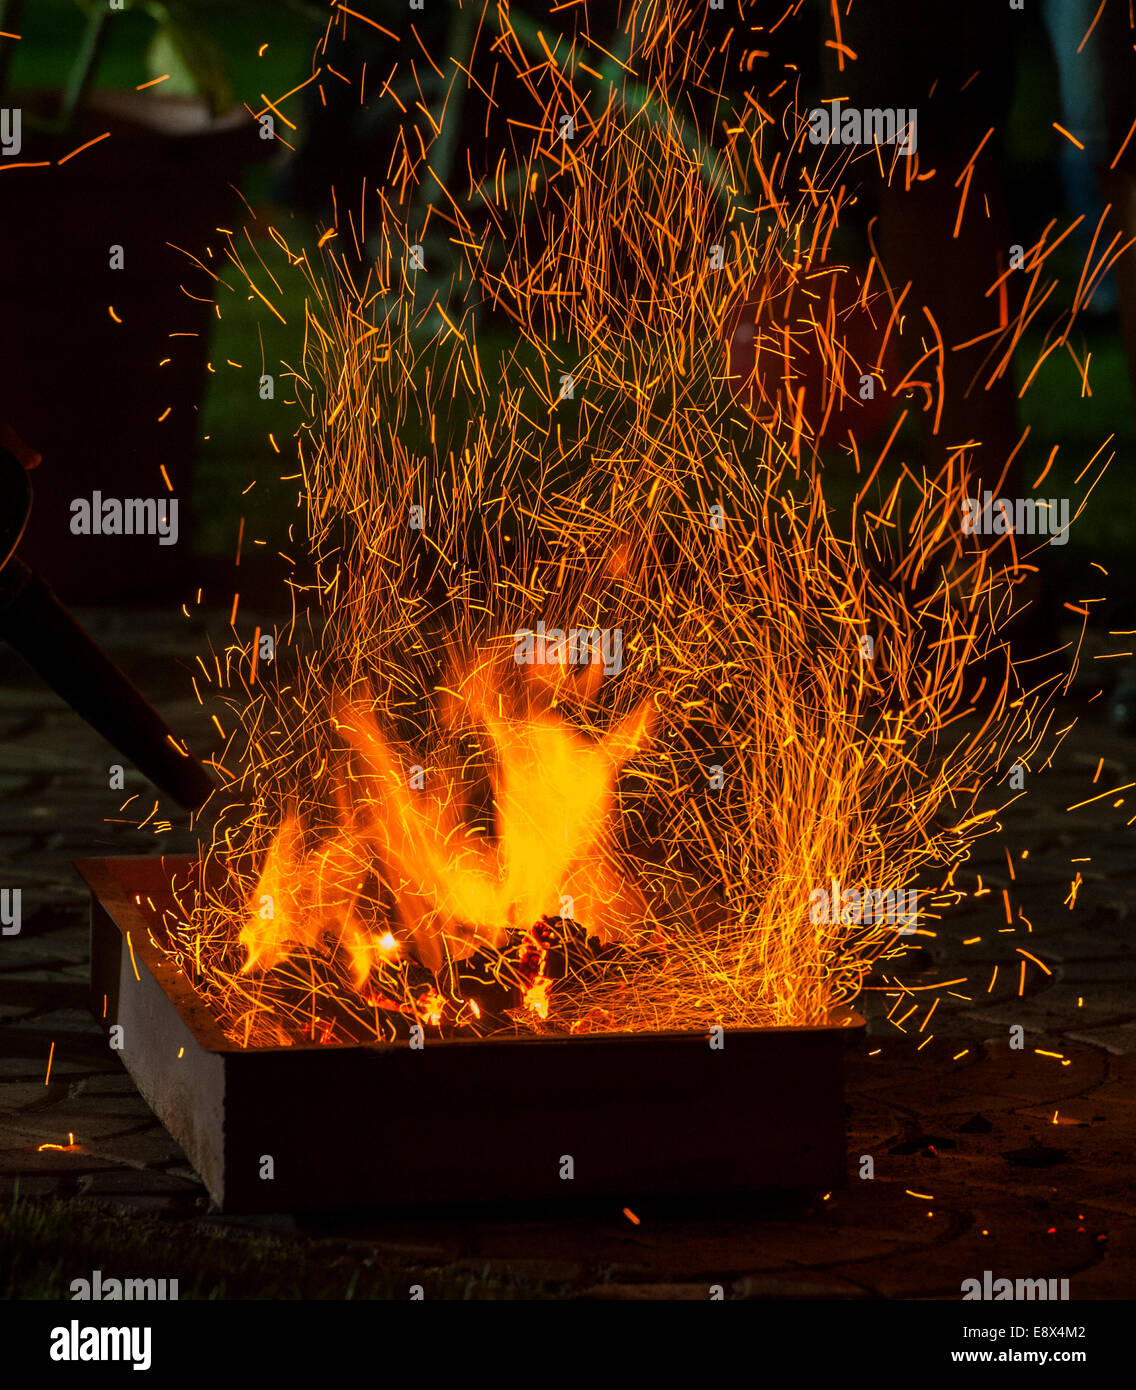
column 355, row 15
column 1100, row 796
column 1035, row 960
column 292, row 93
column 1062, row 131
column 456, row 332
column 1048, row 465
column 256, row 291
column 104, row 136
column 1124, row 146
column 1092, row 26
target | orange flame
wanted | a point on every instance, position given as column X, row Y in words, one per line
column 453, row 890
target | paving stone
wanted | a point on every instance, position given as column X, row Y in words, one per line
column 73, row 1021
column 138, row 1182
column 28, row 948
column 150, row 1147
column 1118, row 1040
column 116, row 1083
column 182, row 1170
column 114, row 1116
column 64, row 1165
column 30, row 1067
column 22, row 1095
column 11, row 1012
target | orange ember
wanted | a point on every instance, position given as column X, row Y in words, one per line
column 596, row 685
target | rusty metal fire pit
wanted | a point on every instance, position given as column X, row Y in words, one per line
column 458, row 1121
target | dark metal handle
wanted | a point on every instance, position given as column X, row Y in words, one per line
column 34, row 621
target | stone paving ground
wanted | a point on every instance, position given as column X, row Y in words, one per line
column 985, row 1157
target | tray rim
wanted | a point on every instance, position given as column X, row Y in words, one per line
column 103, row 877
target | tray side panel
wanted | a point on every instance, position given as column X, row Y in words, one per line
column 181, row 1082
column 635, row 1116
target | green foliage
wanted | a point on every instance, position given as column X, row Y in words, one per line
column 182, row 47
column 196, row 66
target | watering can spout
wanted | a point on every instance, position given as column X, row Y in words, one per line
column 40, row 628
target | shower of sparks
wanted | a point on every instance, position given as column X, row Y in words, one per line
column 415, row 828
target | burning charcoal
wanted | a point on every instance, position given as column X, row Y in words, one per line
column 505, row 988
column 559, row 949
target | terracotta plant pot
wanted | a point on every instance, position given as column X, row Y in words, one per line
column 79, row 355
